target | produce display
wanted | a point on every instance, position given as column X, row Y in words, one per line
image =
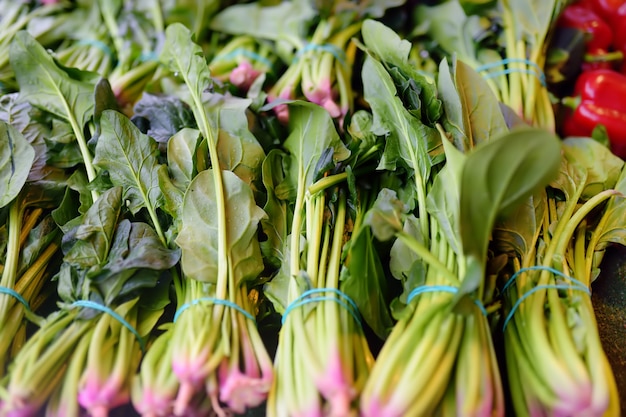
column 308, row 208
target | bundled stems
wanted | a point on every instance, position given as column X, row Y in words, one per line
column 323, row 359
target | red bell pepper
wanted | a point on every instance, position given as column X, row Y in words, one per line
column 599, row 34
column 599, row 100
column 607, row 9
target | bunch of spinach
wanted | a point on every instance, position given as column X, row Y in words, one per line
column 216, row 351
column 442, row 227
column 555, row 243
column 111, row 257
column 323, row 358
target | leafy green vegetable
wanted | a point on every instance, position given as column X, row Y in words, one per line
column 199, row 233
column 16, row 159
column 130, row 158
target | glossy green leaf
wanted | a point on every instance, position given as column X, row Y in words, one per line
column 276, row 225
column 16, row 159
column 408, row 140
column 198, row 237
column 66, row 94
column 498, row 176
column 443, row 198
column 181, row 156
column 135, row 246
column 312, row 132
column 186, row 59
column 602, row 166
column 363, row 279
column 238, row 149
column 281, row 21
column 130, row 157
column 385, row 216
column 91, row 240
column 385, row 43
column 166, row 115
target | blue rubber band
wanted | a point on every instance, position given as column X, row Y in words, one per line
column 214, row 301
column 440, row 288
column 237, row 52
column 16, row 295
column 96, row 306
column 537, row 72
column 98, row 45
column 576, row 285
column 149, row 56
column 343, row 300
column 330, row 48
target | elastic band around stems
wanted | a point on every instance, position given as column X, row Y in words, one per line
column 16, row 295
column 576, row 285
column 96, row 306
column 245, row 53
column 440, row 288
column 538, row 72
column 212, row 300
column 327, row 47
column 342, row 299
column 98, row 45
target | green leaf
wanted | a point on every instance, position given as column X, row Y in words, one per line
column 451, row 28
column 408, row 140
column 199, row 235
column 404, row 264
column 130, row 157
column 166, row 115
column 363, row 279
column 238, row 149
column 16, row 160
column 443, row 199
column 46, row 85
column 307, row 121
column 485, row 119
column 385, row 43
column 90, row 242
column 518, row 232
column 613, row 229
column 603, row 167
column 498, row 176
column 278, row 221
column 135, row 246
column 385, row 216
column 186, row 59
column 181, row 151
column 285, row 20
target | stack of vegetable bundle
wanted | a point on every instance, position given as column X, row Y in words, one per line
column 287, row 208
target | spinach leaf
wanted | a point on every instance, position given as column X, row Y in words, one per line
column 16, row 160
column 312, row 132
column 166, row 115
column 238, row 150
column 198, row 237
column 498, row 176
column 88, row 244
column 408, row 140
column 65, row 93
column 443, row 198
column 279, row 216
column 602, row 166
column 135, row 248
column 130, row 157
column 186, row 59
column 279, row 22
column 363, row 279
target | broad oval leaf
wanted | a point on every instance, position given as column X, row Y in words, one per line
column 130, row 157
column 44, row 84
column 199, row 234
column 16, row 159
column 498, row 176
